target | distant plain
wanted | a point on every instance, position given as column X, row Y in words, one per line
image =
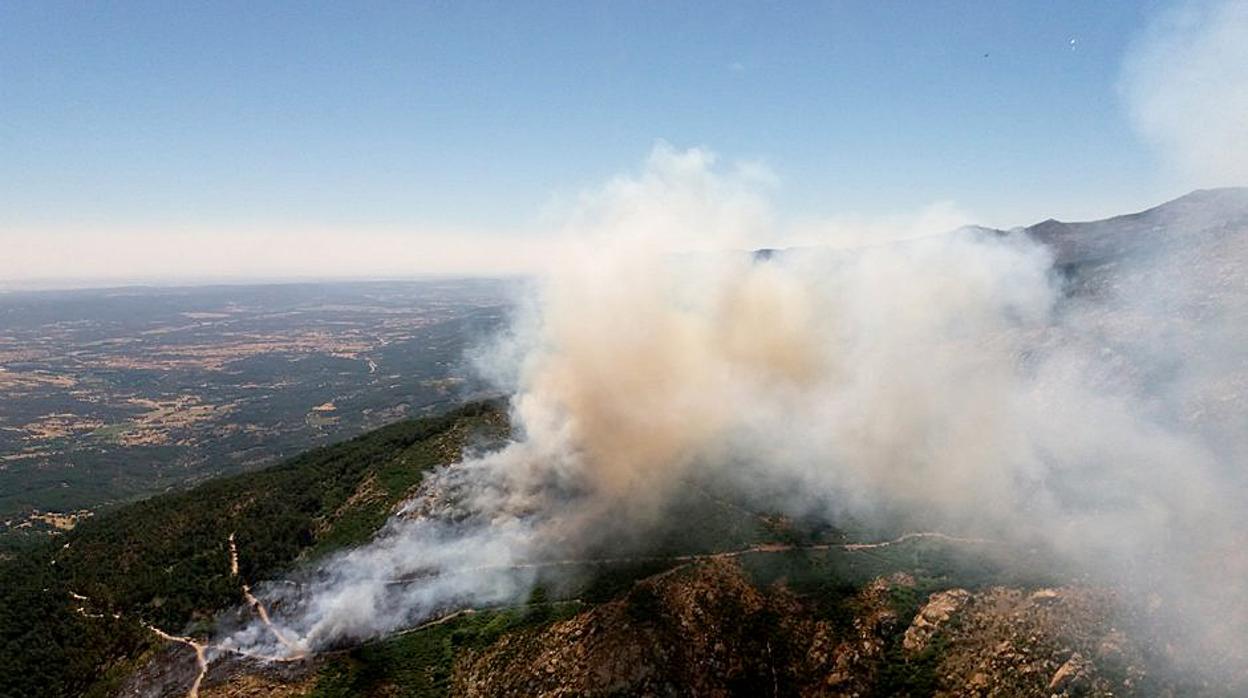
column 106, row 396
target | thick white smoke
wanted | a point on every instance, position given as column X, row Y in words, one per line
column 1186, row 85
column 948, row 378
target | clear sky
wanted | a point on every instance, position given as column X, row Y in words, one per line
column 118, row 117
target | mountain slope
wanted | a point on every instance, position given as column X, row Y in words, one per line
column 726, row 600
column 164, row 561
column 1205, row 211
column 710, row 631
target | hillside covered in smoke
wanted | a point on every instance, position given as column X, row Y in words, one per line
column 976, row 462
column 1069, row 388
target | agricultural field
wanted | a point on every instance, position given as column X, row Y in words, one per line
column 106, row 396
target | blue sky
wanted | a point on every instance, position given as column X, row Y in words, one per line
column 476, row 115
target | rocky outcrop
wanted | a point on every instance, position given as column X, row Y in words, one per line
column 931, row 618
column 707, row 631
column 1049, row 642
column 704, row 631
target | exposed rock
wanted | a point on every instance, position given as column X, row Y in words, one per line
column 1045, row 595
column 931, row 617
column 707, row 631
column 853, row 663
column 1008, row 642
column 252, row 686
column 1072, row 675
column 704, row 631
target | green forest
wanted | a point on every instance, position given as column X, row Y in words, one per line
column 164, row 561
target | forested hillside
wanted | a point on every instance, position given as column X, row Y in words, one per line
column 71, row 610
column 722, row 599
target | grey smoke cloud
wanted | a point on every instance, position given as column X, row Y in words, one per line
column 953, row 378
column 1186, row 85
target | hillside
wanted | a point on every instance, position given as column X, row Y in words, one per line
column 716, row 594
column 1177, row 222
column 770, row 603
column 730, row 602
column 921, row 616
column 164, row 561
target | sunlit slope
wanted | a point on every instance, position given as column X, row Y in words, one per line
column 164, row 560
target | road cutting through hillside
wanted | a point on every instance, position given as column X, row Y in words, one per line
column 761, row 549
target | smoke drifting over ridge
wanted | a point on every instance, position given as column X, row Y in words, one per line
column 952, row 379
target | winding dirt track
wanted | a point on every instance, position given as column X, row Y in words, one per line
column 258, row 607
column 201, row 648
column 201, row 659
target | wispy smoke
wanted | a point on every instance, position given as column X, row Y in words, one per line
column 1186, row 85
column 954, row 379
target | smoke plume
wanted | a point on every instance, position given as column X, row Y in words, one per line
column 955, row 380
column 1186, row 86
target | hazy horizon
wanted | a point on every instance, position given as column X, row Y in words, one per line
column 147, row 145
column 919, row 227
column 628, row 348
